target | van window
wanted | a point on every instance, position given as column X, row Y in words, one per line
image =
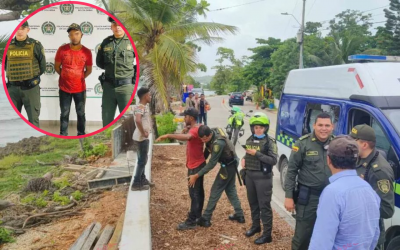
column 291, row 116
column 358, row 117
column 314, row 109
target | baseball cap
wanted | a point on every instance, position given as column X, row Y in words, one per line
column 343, row 146
column 25, row 24
column 191, row 112
column 74, row 26
column 111, row 20
column 363, row 132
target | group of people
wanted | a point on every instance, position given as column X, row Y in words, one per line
column 340, row 187
column 26, row 62
column 200, row 104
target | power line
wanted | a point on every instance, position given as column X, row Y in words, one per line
column 284, row 33
column 324, row 21
column 237, row 5
column 309, row 10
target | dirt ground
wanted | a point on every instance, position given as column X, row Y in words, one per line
column 62, row 233
column 170, row 204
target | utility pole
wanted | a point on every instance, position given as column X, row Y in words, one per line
column 301, row 65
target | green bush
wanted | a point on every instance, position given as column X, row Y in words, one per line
column 89, row 150
column 9, row 161
column 57, row 197
column 77, row 195
column 33, row 199
column 5, row 236
column 166, row 124
column 62, row 183
column 40, row 202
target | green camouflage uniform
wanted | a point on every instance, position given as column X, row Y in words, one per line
column 308, row 161
column 379, row 174
column 25, row 62
column 116, row 56
column 223, row 151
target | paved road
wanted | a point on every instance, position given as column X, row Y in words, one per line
column 218, row 117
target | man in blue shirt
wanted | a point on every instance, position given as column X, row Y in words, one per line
column 348, row 211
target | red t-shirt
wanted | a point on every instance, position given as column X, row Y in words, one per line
column 73, row 62
column 194, row 150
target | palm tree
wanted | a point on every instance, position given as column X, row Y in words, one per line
column 3, row 43
column 340, row 48
column 164, row 33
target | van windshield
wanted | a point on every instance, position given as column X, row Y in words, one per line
column 394, row 117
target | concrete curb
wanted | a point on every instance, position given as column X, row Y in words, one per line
column 136, row 232
column 283, row 212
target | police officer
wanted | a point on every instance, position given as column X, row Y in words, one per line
column 261, row 156
column 308, row 163
column 222, row 151
column 116, row 56
column 374, row 169
column 25, row 62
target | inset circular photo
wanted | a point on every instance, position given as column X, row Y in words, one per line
column 70, row 69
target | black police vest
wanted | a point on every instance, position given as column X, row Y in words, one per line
column 252, row 162
column 228, row 153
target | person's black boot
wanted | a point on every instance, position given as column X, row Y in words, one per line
column 239, row 219
column 187, row 225
column 263, row 239
column 204, row 222
column 252, row 231
column 145, row 181
column 137, row 186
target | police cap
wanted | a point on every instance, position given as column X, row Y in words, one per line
column 74, row 26
column 363, row 132
column 25, row 24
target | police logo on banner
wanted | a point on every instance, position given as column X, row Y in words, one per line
column 98, row 90
column 50, row 70
column 97, row 48
column 67, row 9
column 48, row 28
column 87, row 28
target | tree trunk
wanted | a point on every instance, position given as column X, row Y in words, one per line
column 153, row 114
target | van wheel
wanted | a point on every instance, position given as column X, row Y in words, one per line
column 394, row 244
column 283, row 169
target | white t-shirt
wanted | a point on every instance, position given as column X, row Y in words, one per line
column 146, row 122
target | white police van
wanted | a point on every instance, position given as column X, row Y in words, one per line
column 363, row 92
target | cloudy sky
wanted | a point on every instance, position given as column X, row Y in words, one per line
column 263, row 19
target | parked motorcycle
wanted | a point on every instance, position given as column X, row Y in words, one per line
column 235, row 123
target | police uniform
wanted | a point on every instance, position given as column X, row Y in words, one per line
column 222, row 151
column 379, row 174
column 25, row 62
column 258, row 179
column 116, row 56
column 308, row 161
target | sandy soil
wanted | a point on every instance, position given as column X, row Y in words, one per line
column 170, row 204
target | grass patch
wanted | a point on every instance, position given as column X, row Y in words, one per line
column 62, row 183
column 14, row 178
column 57, row 197
column 77, row 195
column 5, row 236
column 9, row 161
column 36, row 200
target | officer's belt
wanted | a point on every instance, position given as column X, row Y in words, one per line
column 25, row 83
column 228, row 163
column 313, row 191
column 119, row 82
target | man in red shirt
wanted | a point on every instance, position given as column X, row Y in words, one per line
column 73, row 64
column 195, row 161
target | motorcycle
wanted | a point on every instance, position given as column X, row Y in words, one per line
column 235, row 123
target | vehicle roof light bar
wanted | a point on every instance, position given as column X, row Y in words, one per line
column 374, row 58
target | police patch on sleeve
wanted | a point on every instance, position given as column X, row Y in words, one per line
column 274, row 148
column 216, row 148
column 295, row 149
column 384, row 186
